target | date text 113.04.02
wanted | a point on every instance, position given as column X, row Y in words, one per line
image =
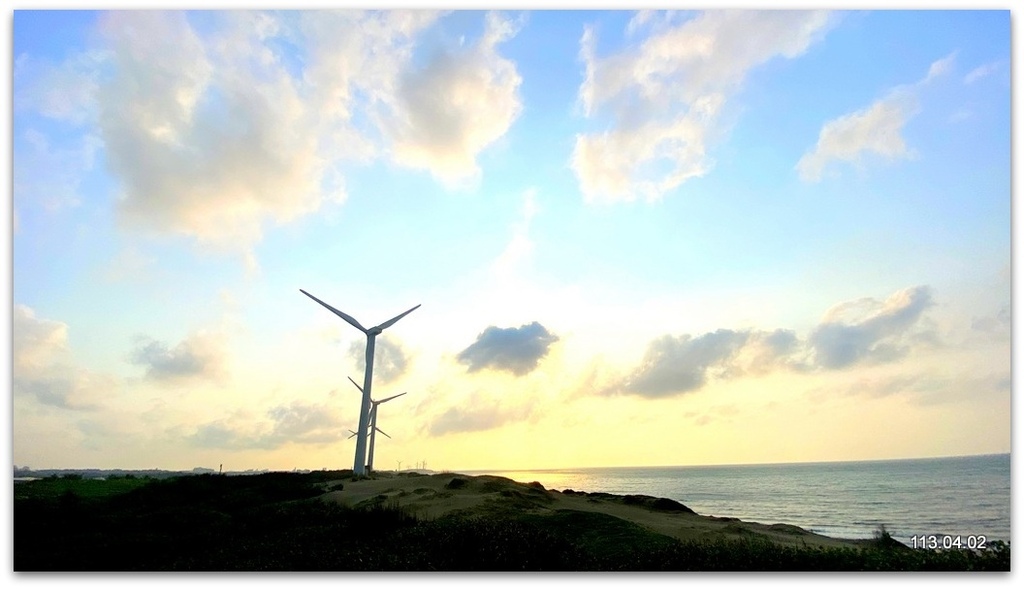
column 935, row 541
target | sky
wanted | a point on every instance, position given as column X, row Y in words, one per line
column 637, row 238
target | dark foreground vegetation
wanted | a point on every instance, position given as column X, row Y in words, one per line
column 275, row 522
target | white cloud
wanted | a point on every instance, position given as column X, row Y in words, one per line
column 876, row 129
column 664, row 97
column 37, row 342
column 459, row 103
column 215, row 131
column 353, row 63
column 940, row 67
column 208, row 139
column 43, row 368
column 983, row 71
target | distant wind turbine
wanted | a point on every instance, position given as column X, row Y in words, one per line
column 373, row 423
column 364, row 412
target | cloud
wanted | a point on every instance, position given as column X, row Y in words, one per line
column 517, row 253
column 37, row 342
column 940, row 67
column 926, row 389
column 297, row 423
column 303, row 423
column 868, row 330
column 674, row 365
column 474, row 416
column 389, row 360
column 876, row 129
column 43, row 369
column 660, row 101
column 455, row 106
column 983, row 71
column 764, row 352
column 854, row 332
column 208, row 139
column 353, row 60
column 514, row 349
column 216, row 125
column 201, row 355
column 999, row 325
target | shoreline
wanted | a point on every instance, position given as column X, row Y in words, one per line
column 431, row 496
column 842, row 499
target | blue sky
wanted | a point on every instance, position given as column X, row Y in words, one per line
column 637, row 237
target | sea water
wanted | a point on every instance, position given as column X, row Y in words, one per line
column 965, row 496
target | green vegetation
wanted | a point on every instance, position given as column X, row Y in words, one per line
column 276, row 522
column 55, row 486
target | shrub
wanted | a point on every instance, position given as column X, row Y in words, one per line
column 456, row 483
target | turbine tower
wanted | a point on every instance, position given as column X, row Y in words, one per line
column 359, row 467
column 373, row 423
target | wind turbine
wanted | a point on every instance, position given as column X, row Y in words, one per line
column 373, row 423
column 364, row 412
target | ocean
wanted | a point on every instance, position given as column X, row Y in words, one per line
column 965, row 496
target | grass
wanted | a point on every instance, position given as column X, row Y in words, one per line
column 53, row 487
column 276, row 522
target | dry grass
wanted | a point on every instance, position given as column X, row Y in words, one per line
column 432, row 496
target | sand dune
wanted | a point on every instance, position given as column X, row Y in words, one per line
column 432, row 496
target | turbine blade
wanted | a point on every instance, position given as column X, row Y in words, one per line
column 392, row 321
column 344, row 316
column 382, row 431
column 354, row 434
column 389, row 398
column 354, row 382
